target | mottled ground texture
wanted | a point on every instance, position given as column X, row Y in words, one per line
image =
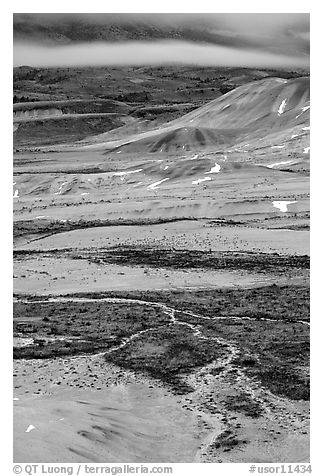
column 161, row 268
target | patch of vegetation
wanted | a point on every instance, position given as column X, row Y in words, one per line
column 281, row 303
column 36, row 227
column 281, row 380
column 78, row 328
column 273, row 343
column 183, row 259
column 227, row 441
column 167, row 354
column 155, row 84
column 161, row 258
column 280, row 355
column 243, row 403
column 62, row 129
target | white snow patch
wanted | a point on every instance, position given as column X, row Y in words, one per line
column 198, row 181
column 215, row 169
column 85, row 193
column 22, row 341
column 119, row 152
column 306, row 149
column 30, row 428
column 294, row 135
column 166, row 167
column 60, row 188
column 40, row 216
column 282, row 205
column 277, row 146
column 14, row 183
column 282, row 107
column 122, row 174
column 153, row 186
column 270, row 166
column 195, row 157
column 225, row 107
column 16, row 398
column 306, row 128
column 303, row 110
column 16, row 194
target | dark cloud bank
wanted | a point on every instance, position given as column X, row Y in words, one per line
column 255, row 40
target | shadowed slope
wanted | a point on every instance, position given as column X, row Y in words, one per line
column 252, row 110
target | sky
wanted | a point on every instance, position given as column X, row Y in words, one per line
column 251, row 40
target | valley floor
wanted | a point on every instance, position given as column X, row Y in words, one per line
column 161, row 305
column 168, row 386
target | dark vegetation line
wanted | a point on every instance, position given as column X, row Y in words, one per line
column 92, row 170
column 276, row 354
column 282, row 303
column 27, row 227
column 177, row 259
column 181, row 259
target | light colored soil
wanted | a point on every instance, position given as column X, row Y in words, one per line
column 239, row 193
column 191, row 235
column 128, row 423
column 130, row 418
column 127, row 417
column 42, row 275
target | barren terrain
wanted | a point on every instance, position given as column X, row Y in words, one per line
column 161, row 266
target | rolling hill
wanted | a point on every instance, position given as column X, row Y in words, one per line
column 266, row 113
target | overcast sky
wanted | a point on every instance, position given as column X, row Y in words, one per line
column 262, row 40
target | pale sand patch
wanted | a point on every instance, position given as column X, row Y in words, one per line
column 68, row 276
column 84, row 409
column 193, row 235
column 132, row 423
